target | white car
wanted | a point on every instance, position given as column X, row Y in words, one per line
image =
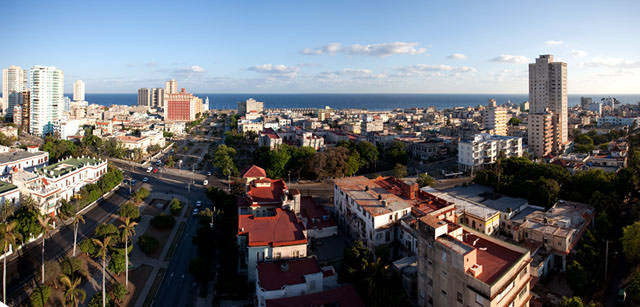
column 198, row 203
column 149, row 169
column 205, row 182
column 145, row 179
column 195, row 211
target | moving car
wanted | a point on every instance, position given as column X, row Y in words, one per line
column 155, row 170
column 198, row 204
column 195, row 211
column 149, row 169
column 145, row 179
column 205, row 182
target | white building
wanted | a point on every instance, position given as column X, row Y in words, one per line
column 14, row 81
column 484, row 149
column 282, row 279
column 29, row 160
column 66, row 127
column 255, row 125
column 148, row 138
column 617, row 121
column 367, row 211
column 171, row 87
column 78, row 90
column 250, row 105
column 548, row 94
column 47, row 101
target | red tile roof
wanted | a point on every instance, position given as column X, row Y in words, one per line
column 272, row 277
column 254, row 171
column 317, row 216
column 279, row 230
column 343, row 296
column 267, row 194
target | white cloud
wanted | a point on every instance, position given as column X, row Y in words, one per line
column 380, row 50
column 355, row 73
column 513, row 59
column 578, row 53
column 196, row 68
column 611, row 62
column 187, row 72
column 277, row 70
column 553, row 43
column 457, row 56
column 422, row 69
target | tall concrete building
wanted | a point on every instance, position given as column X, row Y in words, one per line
column 495, row 119
column 47, row 100
column 171, row 87
column 250, row 106
column 548, row 98
column 14, row 81
column 151, row 97
column 78, row 90
column 181, row 106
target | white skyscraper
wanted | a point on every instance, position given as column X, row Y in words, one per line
column 171, row 87
column 548, row 99
column 78, row 90
column 14, row 81
column 47, row 100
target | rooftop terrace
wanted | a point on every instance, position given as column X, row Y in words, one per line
column 69, row 165
column 6, row 187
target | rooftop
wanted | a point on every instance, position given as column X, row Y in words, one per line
column 495, row 258
column 266, row 191
column 7, row 157
column 254, row 171
column 274, row 276
column 486, row 196
column 342, row 296
column 279, row 230
column 373, row 198
column 465, row 205
column 316, row 215
column 6, row 187
column 68, row 165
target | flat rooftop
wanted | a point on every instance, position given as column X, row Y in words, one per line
column 277, row 274
column 6, row 187
column 486, row 196
column 341, row 296
column 462, row 204
column 316, row 215
column 7, row 157
column 69, row 165
column 373, row 198
column 495, row 259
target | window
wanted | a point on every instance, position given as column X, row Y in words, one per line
column 459, row 297
column 278, row 255
column 523, row 273
column 522, row 293
column 443, row 292
column 479, row 299
column 444, row 256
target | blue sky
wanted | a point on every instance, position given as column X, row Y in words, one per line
column 326, row 46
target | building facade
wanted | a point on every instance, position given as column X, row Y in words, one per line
column 250, row 105
column 78, row 90
column 484, row 149
column 14, row 82
column 151, row 97
column 47, row 100
column 548, row 94
column 495, row 119
column 180, row 107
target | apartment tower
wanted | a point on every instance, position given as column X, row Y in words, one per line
column 14, row 81
column 47, row 100
column 171, row 87
column 548, row 108
column 151, row 97
column 495, row 119
column 78, row 90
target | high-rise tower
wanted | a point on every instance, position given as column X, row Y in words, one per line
column 78, row 90
column 47, row 100
column 548, row 106
column 14, row 81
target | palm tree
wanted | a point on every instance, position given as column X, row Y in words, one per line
column 46, row 229
column 73, row 295
column 8, row 238
column 128, row 230
column 102, row 251
column 7, row 210
column 77, row 219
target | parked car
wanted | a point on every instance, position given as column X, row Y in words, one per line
column 133, row 182
column 149, row 169
column 198, row 204
column 155, row 170
column 195, row 211
column 208, row 173
column 205, row 182
column 621, row 297
column 145, row 179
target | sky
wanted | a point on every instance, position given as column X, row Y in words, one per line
column 243, row 46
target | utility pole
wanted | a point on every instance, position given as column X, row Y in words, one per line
column 606, row 260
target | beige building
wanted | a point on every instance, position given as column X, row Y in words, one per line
column 250, row 105
column 171, row 86
column 547, row 95
column 458, row 266
column 151, row 97
column 495, row 119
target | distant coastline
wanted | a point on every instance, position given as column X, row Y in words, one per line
column 345, row 101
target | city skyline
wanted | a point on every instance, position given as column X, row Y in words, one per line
column 358, row 47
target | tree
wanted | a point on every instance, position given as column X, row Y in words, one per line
column 399, row 171
column 631, row 241
column 130, row 211
column 575, row 301
column 98, row 300
column 77, row 219
column 353, row 164
column 425, row 180
column 117, row 263
column 223, row 160
column 514, row 121
column 102, row 251
column 6, row 210
column 175, row 206
column 200, row 269
column 105, row 230
column 40, row 296
column 397, row 152
column 46, row 229
column 8, row 238
column 73, row 294
column 27, row 222
column 118, row 292
column 368, row 153
column 128, row 231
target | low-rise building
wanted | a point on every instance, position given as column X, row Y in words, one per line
column 316, row 219
column 458, row 266
column 611, row 121
column 484, row 149
column 269, row 138
column 341, row 296
column 252, row 173
column 14, row 160
column 9, row 194
column 291, row 278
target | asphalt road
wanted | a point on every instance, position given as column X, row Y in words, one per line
column 24, row 268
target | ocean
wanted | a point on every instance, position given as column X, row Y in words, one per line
column 343, row 101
